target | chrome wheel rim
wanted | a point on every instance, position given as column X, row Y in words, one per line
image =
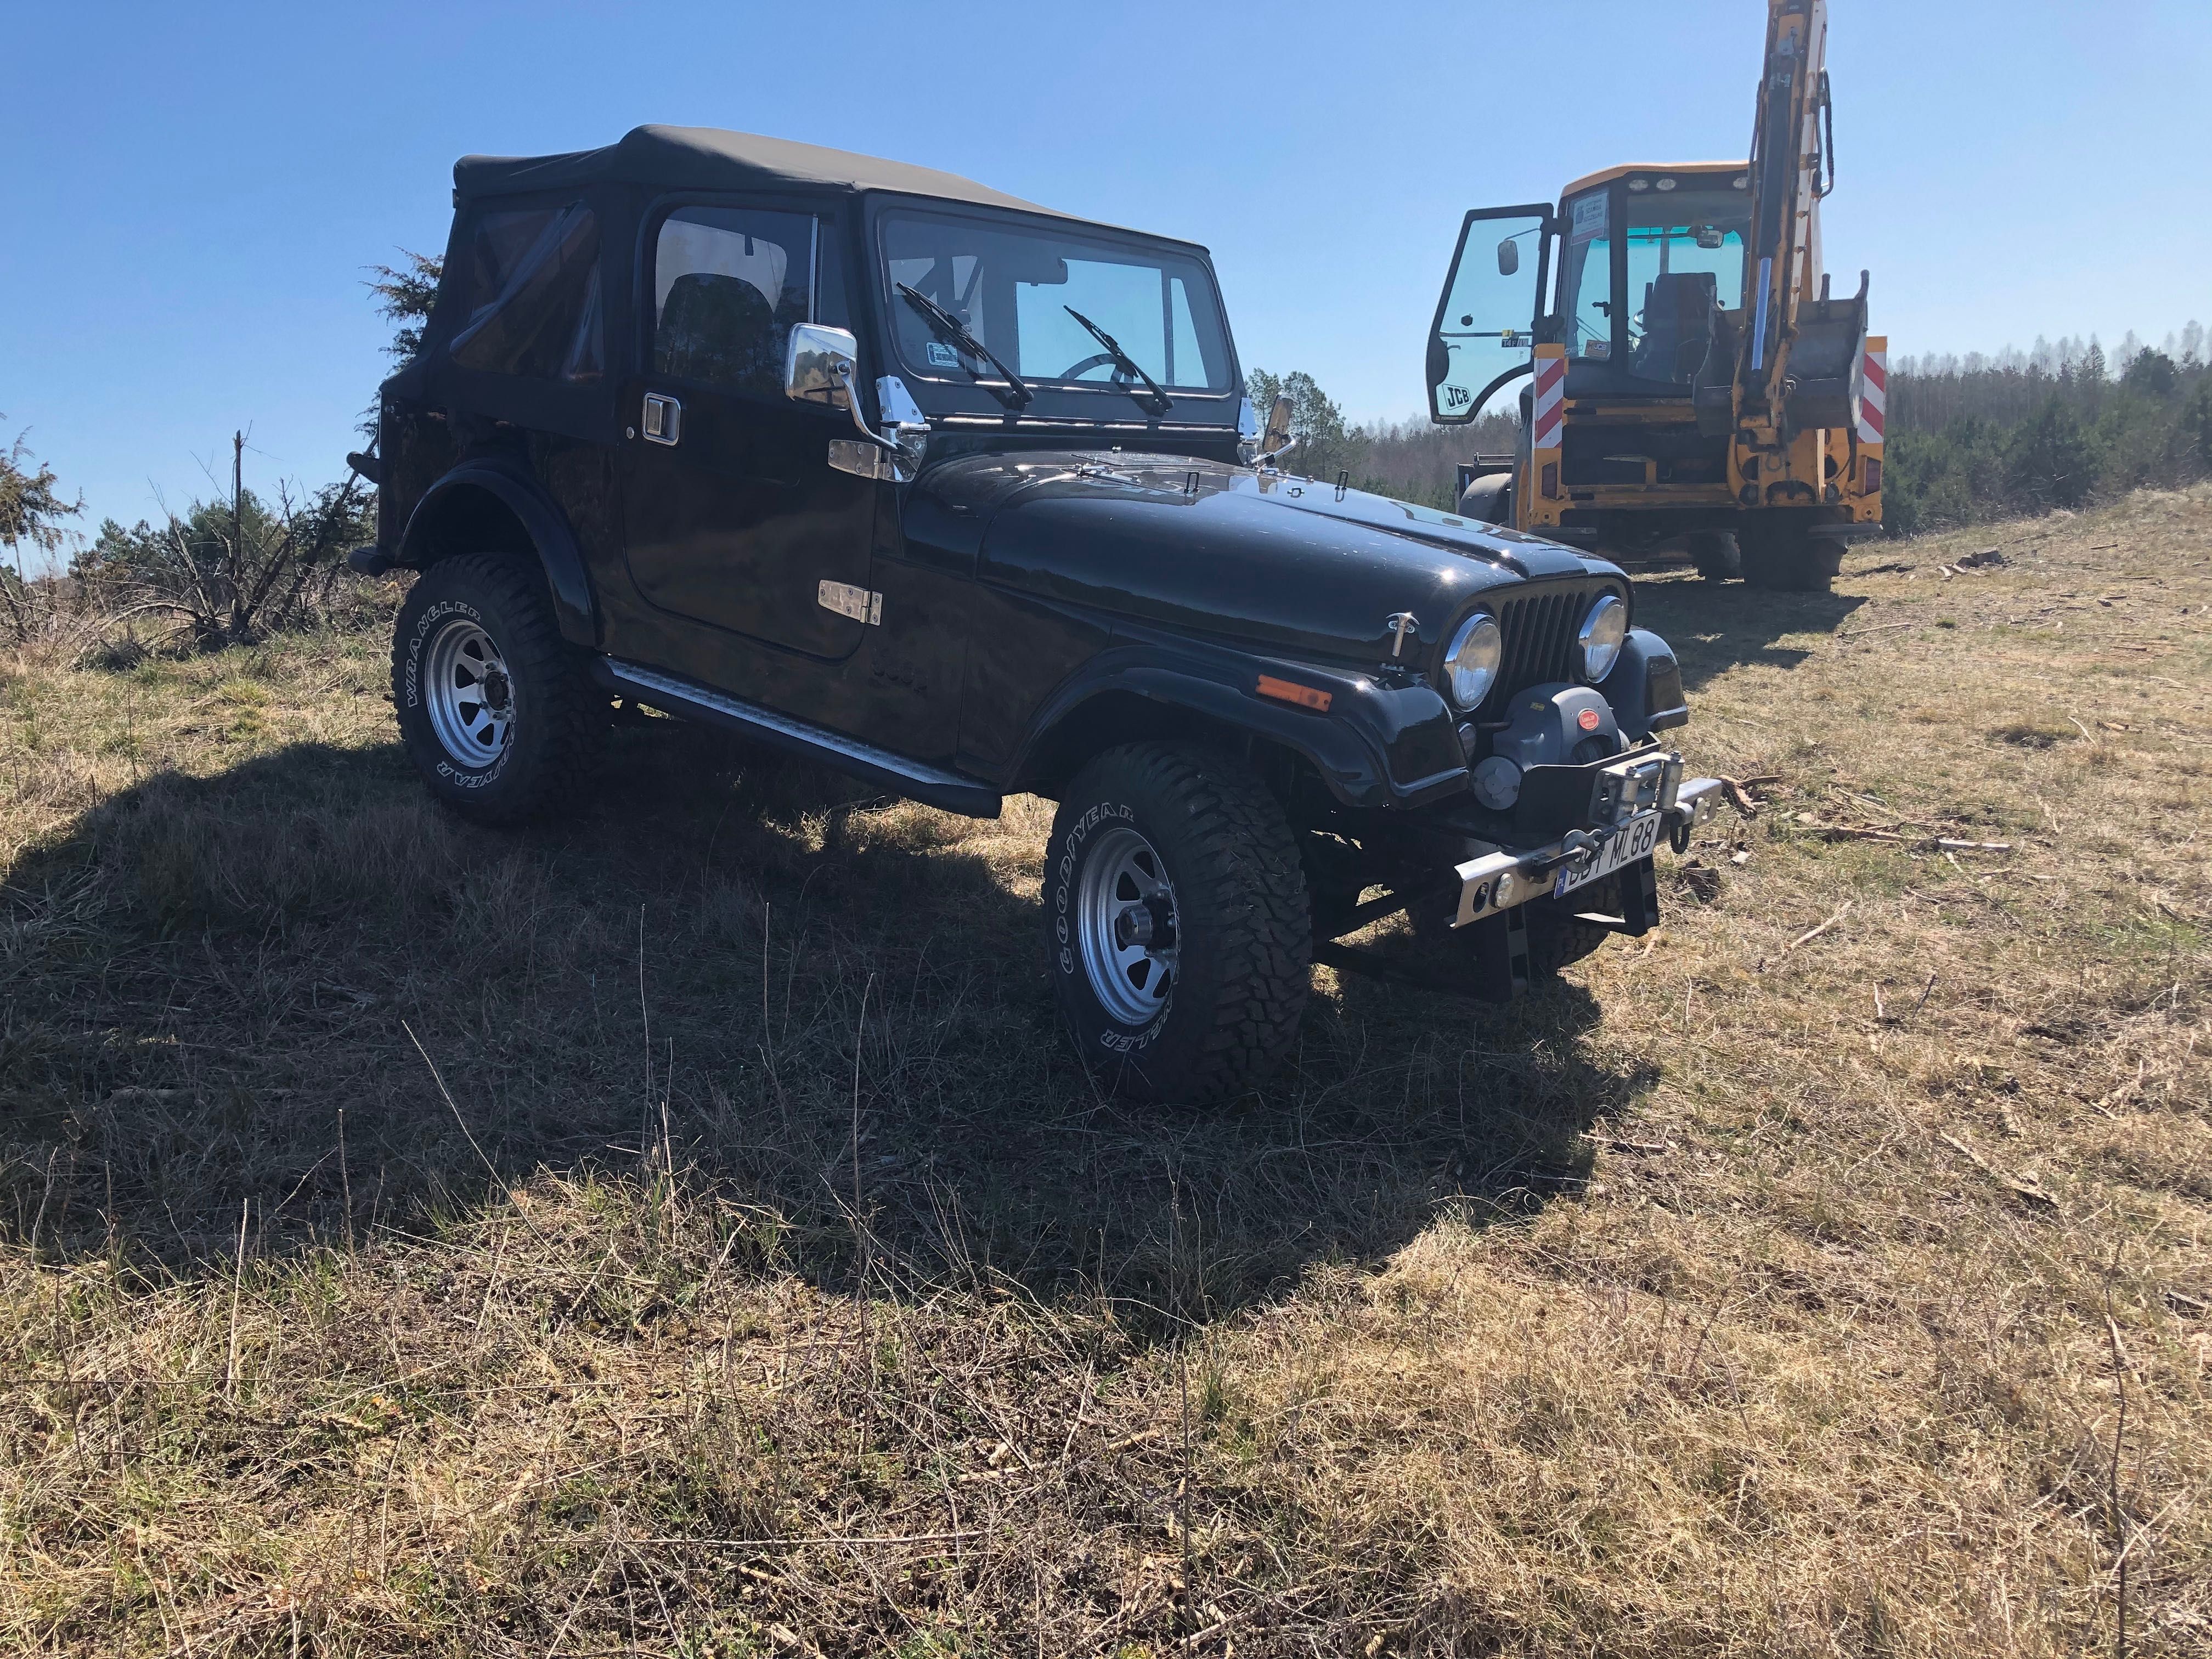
column 469, row 694
column 1126, row 927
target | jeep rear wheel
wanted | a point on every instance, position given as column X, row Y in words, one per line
column 495, row 709
column 1176, row 913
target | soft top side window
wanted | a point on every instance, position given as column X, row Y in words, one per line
column 531, row 284
column 729, row 285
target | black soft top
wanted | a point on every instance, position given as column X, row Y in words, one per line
column 707, row 158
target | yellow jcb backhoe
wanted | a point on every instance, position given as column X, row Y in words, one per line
column 1694, row 385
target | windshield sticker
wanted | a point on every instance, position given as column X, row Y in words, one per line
column 942, row 356
column 1589, row 218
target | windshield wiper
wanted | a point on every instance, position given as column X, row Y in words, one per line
column 950, row 329
column 1159, row 403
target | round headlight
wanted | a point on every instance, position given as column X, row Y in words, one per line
column 1603, row 630
column 1471, row 660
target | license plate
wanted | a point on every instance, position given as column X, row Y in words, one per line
column 1635, row 840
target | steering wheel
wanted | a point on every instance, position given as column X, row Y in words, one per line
column 1089, row 363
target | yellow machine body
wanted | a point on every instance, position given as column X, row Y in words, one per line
column 1692, row 381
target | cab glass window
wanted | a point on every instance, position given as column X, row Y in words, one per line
column 1016, row 289
column 1586, row 277
column 1685, row 259
column 729, row 285
column 530, row 282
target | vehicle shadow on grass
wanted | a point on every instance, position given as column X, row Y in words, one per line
column 299, row 990
column 1718, row 626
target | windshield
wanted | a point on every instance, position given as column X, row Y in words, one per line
column 1685, row 256
column 1014, row 289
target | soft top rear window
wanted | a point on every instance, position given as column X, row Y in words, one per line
column 530, row 282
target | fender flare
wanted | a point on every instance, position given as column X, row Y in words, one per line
column 546, row 525
column 1376, row 746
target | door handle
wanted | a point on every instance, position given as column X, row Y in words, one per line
column 663, row 420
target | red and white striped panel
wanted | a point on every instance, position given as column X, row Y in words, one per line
column 1874, row 393
column 1548, row 413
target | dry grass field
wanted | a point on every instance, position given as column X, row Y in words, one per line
column 683, row 1230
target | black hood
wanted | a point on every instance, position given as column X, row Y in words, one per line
column 1287, row 565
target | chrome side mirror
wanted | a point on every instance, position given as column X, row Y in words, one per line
column 819, row 364
column 1277, row 437
column 1509, row 257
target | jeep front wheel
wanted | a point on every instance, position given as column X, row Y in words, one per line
column 495, row 709
column 1176, row 917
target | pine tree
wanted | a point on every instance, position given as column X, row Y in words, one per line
column 30, row 512
column 405, row 296
column 2049, row 461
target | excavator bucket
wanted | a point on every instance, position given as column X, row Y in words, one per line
column 1827, row 362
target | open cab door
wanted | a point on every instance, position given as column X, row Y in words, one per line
column 1485, row 323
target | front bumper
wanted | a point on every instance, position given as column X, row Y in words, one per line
column 1627, row 796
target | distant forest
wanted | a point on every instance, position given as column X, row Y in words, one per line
column 2059, row 426
column 1970, row 438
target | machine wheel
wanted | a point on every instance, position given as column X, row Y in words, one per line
column 1715, row 554
column 1793, row 562
column 1489, row 499
column 1177, row 916
column 495, row 709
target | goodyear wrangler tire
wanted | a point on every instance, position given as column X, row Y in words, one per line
column 495, row 709
column 1176, row 918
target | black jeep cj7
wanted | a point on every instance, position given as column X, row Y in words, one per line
column 961, row 496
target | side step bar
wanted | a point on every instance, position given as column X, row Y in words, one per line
column 932, row 786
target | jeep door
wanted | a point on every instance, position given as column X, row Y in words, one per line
column 732, row 516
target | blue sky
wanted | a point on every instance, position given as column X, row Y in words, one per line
column 191, row 195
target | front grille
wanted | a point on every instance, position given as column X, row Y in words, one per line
column 1540, row 629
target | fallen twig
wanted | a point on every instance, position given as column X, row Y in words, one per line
column 2033, row 1191
column 1192, row 1641
column 1931, row 843
column 801, row 1540
column 1924, row 990
column 1805, row 937
column 1852, row 832
column 1810, row 934
column 1614, row 1143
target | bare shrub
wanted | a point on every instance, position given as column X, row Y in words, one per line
column 230, row 573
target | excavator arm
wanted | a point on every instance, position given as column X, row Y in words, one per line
column 1798, row 365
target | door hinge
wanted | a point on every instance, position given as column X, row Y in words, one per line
column 862, row 460
column 846, row 600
